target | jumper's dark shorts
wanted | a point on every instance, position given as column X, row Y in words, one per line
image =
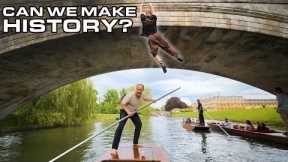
column 156, row 40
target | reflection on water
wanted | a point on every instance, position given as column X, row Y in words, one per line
column 203, row 143
column 7, row 143
column 181, row 145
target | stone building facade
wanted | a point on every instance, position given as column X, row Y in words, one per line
column 228, row 102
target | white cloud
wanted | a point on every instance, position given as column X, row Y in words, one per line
column 256, row 93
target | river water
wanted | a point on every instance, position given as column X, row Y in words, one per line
column 181, row 145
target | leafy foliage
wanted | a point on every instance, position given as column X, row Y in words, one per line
column 69, row 105
column 110, row 104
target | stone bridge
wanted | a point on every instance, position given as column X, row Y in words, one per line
column 245, row 40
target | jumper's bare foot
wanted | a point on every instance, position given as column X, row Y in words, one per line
column 114, row 154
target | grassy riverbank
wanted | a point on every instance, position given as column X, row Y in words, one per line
column 267, row 115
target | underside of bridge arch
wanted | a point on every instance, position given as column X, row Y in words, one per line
column 256, row 59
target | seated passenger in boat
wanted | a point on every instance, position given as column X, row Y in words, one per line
column 236, row 126
column 264, row 127
column 249, row 126
column 227, row 124
column 188, row 121
column 261, row 127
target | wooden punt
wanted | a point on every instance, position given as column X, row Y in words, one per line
column 140, row 153
column 195, row 127
column 272, row 135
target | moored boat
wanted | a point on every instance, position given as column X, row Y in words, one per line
column 271, row 135
column 139, row 153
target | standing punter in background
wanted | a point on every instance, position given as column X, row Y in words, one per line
column 200, row 111
column 129, row 106
column 155, row 39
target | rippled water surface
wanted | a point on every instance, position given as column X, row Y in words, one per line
column 181, row 145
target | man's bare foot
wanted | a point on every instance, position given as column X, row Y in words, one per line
column 143, row 157
column 114, row 152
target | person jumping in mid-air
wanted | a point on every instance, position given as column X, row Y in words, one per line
column 155, row 39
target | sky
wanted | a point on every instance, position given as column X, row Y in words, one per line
column 193, row 84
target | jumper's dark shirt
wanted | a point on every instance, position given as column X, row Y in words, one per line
column 148, row 25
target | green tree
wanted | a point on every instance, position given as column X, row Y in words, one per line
column 72, row 104
column 110, row 104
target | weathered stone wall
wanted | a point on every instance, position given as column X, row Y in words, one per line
column 255, row 59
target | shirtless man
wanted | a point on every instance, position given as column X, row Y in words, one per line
column 154, row 38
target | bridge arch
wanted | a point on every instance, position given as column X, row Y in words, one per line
column 34, row 64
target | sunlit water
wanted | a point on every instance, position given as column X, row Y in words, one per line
column 181, row 145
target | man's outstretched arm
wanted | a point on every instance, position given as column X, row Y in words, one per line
column 141, row 9
column 151, row 9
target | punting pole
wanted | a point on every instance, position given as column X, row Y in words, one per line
column 225, row 132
